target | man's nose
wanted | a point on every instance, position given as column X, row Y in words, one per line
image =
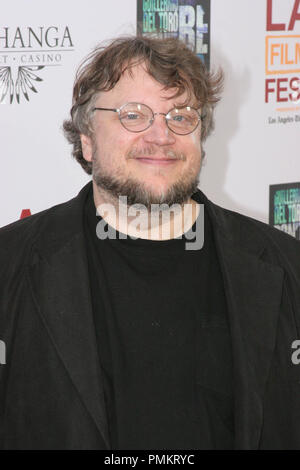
column 159, row 132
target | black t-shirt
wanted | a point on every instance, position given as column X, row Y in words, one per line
column 163, row 339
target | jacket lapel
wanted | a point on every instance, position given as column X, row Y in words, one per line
column 59, row 281
column 253, row 291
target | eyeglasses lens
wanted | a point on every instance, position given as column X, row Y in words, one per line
column 137, row 117
column 182, row 120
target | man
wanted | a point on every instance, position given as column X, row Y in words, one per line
column 119, row 332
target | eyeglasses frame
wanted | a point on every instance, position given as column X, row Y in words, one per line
column 118, row 110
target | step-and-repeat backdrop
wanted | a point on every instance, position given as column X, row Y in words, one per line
column 252, row 162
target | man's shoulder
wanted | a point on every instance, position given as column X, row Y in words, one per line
column 247, row 234
column 258, row 228
column 32, row 224
column 271, row 244
column 23, row 233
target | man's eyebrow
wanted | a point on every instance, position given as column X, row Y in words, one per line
column 181, row 105
column 192, row 105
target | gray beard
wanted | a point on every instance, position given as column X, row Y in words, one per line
column 136, row 193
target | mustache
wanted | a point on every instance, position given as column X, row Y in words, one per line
column 150, row 150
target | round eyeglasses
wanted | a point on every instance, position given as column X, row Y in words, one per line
column 137, row 117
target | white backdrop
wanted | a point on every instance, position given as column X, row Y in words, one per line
column 245, row 154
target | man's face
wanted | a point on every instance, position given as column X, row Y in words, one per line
column 152, row 166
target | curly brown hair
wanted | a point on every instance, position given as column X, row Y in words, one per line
column 167, row 60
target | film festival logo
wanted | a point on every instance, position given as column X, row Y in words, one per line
column 187, row 20
column 136, row 221
column 25, row 53
column 282, row 59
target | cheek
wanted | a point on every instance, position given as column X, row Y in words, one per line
column 112, row 147
column 192, row 149
column 195, row 137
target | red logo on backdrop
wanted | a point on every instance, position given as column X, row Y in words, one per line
column 25, row 213
column 283, row 56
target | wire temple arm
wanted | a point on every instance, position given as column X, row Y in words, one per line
column 115, row 110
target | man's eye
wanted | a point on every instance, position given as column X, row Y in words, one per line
column 182, row 119
column 179, row 118
column 133, row 116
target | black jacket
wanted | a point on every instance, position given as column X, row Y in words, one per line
column 51, row 390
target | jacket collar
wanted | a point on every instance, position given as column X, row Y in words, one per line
column 59, row 280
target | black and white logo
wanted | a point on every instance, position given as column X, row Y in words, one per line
column 25, row 53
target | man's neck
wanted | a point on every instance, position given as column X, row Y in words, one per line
column 144, row 223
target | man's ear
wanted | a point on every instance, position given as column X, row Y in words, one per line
column 87, row 147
